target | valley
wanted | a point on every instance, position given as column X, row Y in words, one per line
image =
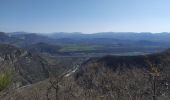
column 84, row 67
column 84, row 50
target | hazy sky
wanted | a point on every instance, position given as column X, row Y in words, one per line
column 85, row 15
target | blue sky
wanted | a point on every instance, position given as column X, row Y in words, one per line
column 86, row 16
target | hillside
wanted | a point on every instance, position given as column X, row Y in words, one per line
column 126, row 74
column 109, row 77
column 28, row 68
column 44, row 48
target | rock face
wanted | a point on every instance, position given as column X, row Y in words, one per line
column 28, row 68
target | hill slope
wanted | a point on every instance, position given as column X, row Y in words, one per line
column 111, row 78
column 28, row 68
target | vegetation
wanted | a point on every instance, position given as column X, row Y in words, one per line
column 5, row 80
column 81, row 47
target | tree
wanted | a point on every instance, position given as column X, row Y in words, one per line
column 154, row 74
column 54, row 82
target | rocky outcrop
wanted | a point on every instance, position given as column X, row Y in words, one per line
column 28, row 68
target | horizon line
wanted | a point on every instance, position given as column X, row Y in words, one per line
column 26, row 32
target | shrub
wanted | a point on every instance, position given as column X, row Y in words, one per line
column 5, row 80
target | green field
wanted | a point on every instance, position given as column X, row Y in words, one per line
column 75, row 48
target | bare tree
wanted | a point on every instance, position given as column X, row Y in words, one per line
column 154, row 74
column 54, row 84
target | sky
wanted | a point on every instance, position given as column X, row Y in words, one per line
column 87, row 16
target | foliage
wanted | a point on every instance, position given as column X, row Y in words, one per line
column 5, row 80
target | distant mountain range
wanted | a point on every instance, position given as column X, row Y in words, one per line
column 97, row 43
column 116, row 35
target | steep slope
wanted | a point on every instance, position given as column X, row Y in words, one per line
column 27, row 68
